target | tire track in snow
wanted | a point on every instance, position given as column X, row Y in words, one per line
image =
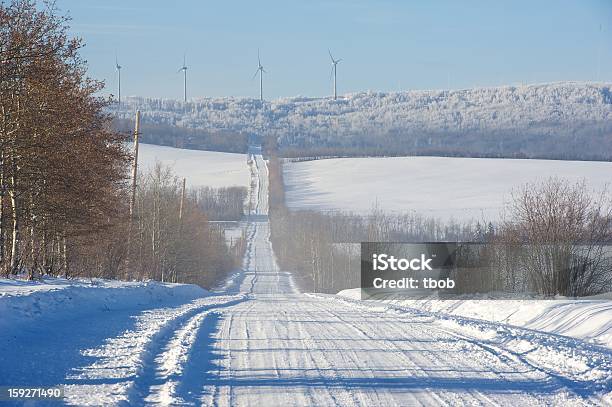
column 184, row 366
column 500, row 341
column 181, row 332
column 123, row 366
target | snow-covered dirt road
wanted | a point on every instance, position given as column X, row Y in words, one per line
column 260, row 342
column 280, row 347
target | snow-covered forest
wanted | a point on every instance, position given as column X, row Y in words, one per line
column 557, row 120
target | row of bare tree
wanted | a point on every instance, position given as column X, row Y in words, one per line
column 556, row 240
column 63, row 172
column 221, row 204
column 170, row 239
column 61, row 167
column 324, row 247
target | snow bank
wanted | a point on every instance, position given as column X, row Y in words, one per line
column 444, row 187
column 201, row 168
column 588, row 319
column 23, row 302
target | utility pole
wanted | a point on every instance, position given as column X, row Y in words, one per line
column 180, row 231
column 182, row 203
column 135, row 165
column 133, row 192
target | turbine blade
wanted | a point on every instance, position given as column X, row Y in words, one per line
column 256, row 72
column 258, row 58
column 330, row 55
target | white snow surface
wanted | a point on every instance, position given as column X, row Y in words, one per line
column 201, row 168
column 441, row 187
column 258, row 341
column 22, row 300
column 552, row 108
column 588, row 318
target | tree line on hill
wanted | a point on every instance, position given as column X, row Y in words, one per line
column 585, row 142
column 64, row 173
column 182, row 137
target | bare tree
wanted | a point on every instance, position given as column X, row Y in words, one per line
column 564, row 232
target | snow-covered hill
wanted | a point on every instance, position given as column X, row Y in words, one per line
column 441, row 187
column 201, row 168
column 546, row 108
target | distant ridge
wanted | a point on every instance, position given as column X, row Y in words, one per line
column 553, row 109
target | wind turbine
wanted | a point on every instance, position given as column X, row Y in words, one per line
column 118, row 68
column 334, row 68
column 260, row 70
column 184, row 69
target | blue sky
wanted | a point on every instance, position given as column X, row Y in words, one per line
column 385, row 45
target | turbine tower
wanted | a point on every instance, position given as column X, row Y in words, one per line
column 334, row 68
column 184, row 69
column 118, row 68
column 260, row 70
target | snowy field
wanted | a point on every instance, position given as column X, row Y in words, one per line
column 201, row 168
column 22, row 300
column 459, row 188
